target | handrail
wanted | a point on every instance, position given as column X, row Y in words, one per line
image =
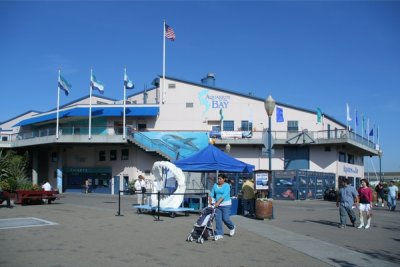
column 342, row 135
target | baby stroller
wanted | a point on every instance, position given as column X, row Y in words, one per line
column 203, row 228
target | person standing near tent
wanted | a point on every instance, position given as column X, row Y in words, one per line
column 220, row 194
column 140, row 188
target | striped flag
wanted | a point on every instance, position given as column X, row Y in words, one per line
column 169, row 33
column 95, row 84
column 64, row 85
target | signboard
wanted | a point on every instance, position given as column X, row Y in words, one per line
column 262, row 181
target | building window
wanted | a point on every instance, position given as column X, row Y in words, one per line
column 113, row 154
column 171, row 86
column 350, row 159
column 189, row 104
column 293, row 126
column 246, row 126
column 216, row 128
column 124, row 154
column 4, row 138
column 229, row 126
column 102, row 155
column 342, row 157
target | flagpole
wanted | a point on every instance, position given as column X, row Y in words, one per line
column 90, row 104
column 355, row 121
column 58, row 102
column 123, row 131
column 163, row 82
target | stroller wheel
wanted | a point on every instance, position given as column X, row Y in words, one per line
column 189, row 238
column 200, row 240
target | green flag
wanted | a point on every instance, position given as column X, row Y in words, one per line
column 319, row 115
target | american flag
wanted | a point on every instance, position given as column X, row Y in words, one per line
column 169, row 33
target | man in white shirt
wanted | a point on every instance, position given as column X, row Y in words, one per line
column 46, row 186
column 140, row 188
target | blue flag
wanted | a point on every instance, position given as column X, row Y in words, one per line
column 279, row 115
column 371, row 133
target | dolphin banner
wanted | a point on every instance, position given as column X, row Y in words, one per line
column 184, row 143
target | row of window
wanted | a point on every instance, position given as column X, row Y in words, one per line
column 347, row 158
column 228, row 125
column 113, row 155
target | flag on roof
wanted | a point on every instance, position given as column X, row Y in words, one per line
column 95, row 84
column 279, row 114
column 319, row 115
column 169, row 33
column 348, row 112
column 128, row 83
column 64, row 84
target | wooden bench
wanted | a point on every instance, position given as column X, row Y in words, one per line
column 25, row 197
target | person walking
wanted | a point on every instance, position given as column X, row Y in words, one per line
column 380, row 192
column 346, row 198
column 220, row 195
column 393, row 191
column 248, row 197
column 365, row 196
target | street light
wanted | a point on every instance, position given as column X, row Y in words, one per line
column 269, row 104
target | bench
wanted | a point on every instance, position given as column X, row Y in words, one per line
column 25, row 197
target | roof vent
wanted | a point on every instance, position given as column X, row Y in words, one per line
column 209, row 79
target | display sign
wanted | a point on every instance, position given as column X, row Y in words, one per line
column 262, row 180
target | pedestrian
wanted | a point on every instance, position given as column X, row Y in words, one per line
column 380, row 193
column 365, row 196
column 46, row 186
column 248, row 197
column 140, row 188
column 5, row 196
column 393, row 191
column 346, row 198
column 220, row 195
column 86, row 186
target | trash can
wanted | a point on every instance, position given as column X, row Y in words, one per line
column 264, row 208
column 234, row 207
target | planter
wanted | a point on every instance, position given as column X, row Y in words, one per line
column 264, row 208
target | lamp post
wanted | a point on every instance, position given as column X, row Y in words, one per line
column 269, row 104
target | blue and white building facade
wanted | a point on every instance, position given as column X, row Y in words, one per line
column 174, row 120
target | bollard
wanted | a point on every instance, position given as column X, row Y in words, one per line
column 119, row 204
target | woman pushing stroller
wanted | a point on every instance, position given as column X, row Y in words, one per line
column 220, row 194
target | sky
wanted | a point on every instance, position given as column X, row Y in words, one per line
column 309, row 54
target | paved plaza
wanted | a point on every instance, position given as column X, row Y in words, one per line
column 82, row 230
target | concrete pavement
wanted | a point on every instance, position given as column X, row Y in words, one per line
column 88, row 233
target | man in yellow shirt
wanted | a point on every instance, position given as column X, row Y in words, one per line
column 248, row 197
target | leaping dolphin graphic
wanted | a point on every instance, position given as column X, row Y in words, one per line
column 179, row 142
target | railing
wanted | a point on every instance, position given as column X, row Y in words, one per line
column 320, row 137
column 156, row 145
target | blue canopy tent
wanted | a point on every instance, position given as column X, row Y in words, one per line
column 211, row 158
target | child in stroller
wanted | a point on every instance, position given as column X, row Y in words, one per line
column 203, row 228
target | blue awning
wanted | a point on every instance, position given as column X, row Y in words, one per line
column 96, row 112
